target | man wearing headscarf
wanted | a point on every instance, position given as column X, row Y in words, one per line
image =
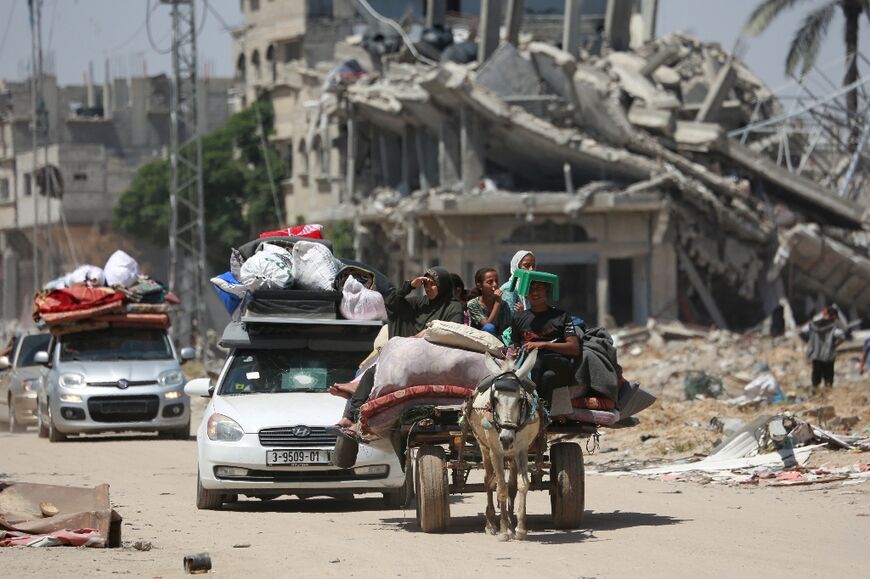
column 408, row 316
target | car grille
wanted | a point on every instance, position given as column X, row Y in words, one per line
column 123, row 408
column 287, row 437
column 129, row 383
column 306, row 476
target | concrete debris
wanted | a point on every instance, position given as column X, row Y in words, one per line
column 540, row 133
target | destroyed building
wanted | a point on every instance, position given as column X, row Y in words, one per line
column 620, row 161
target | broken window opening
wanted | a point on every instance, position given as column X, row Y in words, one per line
column 28, row 184
column 80, row 176
column 303, row 157
column 4, row 190
column 240, row 68
column 621, row 288
column 255, row 64
column 577, row 285
column 270, row 59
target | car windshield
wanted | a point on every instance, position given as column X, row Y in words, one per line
column 115, row 344
column 30, row 345
column 276, row 371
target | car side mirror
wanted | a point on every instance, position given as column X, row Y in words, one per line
column 199, row 387
column 4, row 363
column 41, row 357
column 187, row 354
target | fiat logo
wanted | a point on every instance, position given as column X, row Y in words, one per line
column 123, row 383
column 301, row 431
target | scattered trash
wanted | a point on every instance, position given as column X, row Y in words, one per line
column 241, row 545
column 698, row 384
column 198, row 563
column 143, row 546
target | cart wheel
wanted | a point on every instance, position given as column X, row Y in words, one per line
column 402, row 496
column 567, row 485
column 430, row 483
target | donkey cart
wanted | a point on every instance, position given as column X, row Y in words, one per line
column 441, row 454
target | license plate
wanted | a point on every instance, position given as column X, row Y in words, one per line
column 297, row 457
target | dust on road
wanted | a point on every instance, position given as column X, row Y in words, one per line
column 632, row 526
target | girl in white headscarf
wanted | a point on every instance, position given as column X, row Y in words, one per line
column 523, row 259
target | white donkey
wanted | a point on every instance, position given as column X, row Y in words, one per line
column 505, row 422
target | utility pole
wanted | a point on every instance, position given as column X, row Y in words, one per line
column 186, row 196
column 35, row 78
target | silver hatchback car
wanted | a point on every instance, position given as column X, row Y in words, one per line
column 20, row 378
column 113, row 380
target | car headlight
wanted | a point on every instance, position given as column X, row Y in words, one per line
column 170, row 378
column 72, row 380
column 224, row 428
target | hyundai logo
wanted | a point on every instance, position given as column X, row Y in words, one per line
column 123, row 383
column 301, row 431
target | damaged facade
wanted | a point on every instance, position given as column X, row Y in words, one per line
column 612, row 162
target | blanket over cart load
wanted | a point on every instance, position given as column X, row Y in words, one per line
column 414, row 375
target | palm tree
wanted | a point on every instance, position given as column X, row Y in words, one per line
column 808, row 38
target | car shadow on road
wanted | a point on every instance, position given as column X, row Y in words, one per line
column 311, row 505
column 93, row 438
column 541, row 526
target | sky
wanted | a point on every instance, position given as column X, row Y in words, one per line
column 82, row 33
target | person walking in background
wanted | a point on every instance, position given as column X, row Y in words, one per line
column 822, row 337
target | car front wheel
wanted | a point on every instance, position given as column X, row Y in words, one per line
column 208, row 500
column 14, row 426
column 43, row 427
column 54, row 435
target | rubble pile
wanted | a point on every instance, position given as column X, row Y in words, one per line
column 653, row 121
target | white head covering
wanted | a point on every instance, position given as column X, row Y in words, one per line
column 517, row 258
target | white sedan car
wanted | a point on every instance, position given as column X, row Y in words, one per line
column 267, row 430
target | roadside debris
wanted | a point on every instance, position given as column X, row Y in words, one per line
column 772, row 448
column 40, row 515
column 197, row 564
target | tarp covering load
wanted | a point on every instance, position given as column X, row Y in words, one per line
column 293, row 273
column 132, row 300
column 41, row 515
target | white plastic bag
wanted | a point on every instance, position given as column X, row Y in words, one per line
column 87, row 274
column 121, row 269
column 314, row 266
column 360, row 303
column 266, row 270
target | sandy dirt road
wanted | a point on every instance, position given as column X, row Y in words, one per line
column 632, row 527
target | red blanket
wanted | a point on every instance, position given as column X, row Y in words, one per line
column 383, row 413
column 75, row 298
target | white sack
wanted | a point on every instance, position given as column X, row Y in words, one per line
column 408, row 362
column 314, row 266
column 461, row 336
column 360, row 303
column 121, row 269
column 266, row 270
column 87, row 273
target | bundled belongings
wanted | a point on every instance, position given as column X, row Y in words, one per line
column 406, row 362
column 465, row 337
column 283, row 274
column 121, row 269
column 133, row 300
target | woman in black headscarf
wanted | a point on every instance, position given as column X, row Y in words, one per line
column 408, row 316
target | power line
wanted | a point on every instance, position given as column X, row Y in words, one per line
column 8, row 26
column 153, row 44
